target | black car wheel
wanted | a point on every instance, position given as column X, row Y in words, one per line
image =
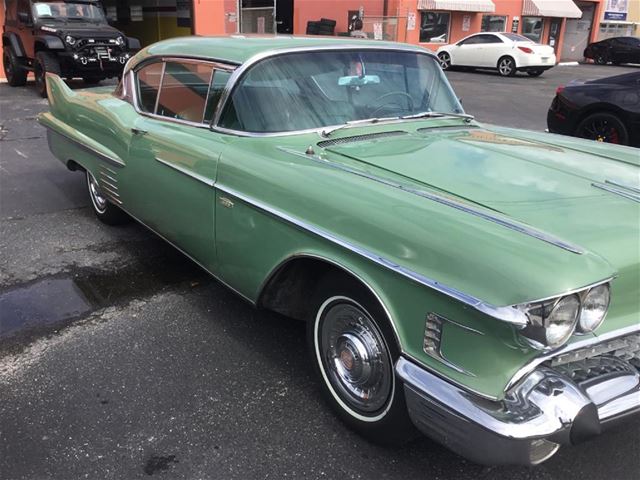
column 353, row 351
column 45, row 63
column 445, row 60
column 601, row 59
column 535, row 73
column 16, row 75
column 507, row 67
column 603, row 127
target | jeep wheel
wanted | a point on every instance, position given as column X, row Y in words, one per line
column 91, row 80
column 16, row 75
column 45, row 63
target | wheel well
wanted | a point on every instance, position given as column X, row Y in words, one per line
column 289, row 289
column 506, row 56
column 75, row 166
column 40, row 47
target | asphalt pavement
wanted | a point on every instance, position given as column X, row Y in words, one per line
column 121, row 359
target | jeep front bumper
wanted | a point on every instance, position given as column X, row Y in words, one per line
column 545, row 410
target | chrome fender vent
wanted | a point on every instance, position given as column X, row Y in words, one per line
column 108, row 180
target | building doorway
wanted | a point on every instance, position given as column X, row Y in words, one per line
column 577, row 33
column 284, row 16
column 554, row 33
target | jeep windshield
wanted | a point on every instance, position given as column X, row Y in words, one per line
column 320, row 89
column 69, row 11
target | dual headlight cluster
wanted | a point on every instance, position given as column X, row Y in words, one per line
column 552, row 322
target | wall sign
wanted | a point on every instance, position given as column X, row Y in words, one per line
column 466, row 23
column 616, row 10
column 183, row 12
column 515, row 24
column 136, row 13
column 411, row 21
column 377, row 31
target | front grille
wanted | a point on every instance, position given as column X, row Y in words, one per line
column 625, row 348
column 594, row 367
column 360, row 138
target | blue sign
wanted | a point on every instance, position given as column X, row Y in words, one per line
column 617, row 16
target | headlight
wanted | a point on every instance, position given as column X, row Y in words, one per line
column 552, row 322
column 594, row 308
column 70, row 40
column 120, row 41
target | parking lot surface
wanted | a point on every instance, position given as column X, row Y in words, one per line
column 119, row 358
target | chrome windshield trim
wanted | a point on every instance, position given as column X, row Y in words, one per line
column 609, row 187
column 188, row 173
column 105, row 158
column 582, row 343
column 505, row 222
column 506, row 314
column 239, row 72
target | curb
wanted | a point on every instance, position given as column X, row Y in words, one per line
column 568, row 64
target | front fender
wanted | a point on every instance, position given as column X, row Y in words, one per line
column 50, row 42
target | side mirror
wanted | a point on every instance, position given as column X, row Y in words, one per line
column 25, row 18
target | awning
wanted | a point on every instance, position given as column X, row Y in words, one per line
column 458, row 5
column 551, row 8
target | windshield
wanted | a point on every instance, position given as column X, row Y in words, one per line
column 311, row 90
column 78, row 11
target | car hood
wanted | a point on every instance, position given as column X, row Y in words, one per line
column 84, row 29
column 541, row 181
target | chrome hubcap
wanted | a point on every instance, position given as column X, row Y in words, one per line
column 355, row 357
column 444, row 61
column 99, row 202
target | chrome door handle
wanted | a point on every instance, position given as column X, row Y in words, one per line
column 137, row 131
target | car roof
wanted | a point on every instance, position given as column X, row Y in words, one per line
column 239, row 48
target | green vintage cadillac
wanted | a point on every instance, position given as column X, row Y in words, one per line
column 475, row 283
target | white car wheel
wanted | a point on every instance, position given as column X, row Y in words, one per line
column 445, row 60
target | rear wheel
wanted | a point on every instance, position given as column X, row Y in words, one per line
column 16, row 75
column 353, row 352
column 105, row 211
column 45, row 63
column 534, row 73
column 601, row 59
column 507, row 67
column 445, row 60
column 603, row 127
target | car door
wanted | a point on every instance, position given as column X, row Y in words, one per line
column 25, row 27
column 491, row 48
column 173, row 156
column 466, row 52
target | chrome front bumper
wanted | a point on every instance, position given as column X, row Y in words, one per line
column 544, row 411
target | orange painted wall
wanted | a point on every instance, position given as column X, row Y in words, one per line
column 209, row 17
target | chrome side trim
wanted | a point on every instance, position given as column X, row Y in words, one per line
column 504, row 222
column 105, row 158
column 621, row 185
column 583, row 343
column 507, row 314
column 609, row 187
column 188, row 173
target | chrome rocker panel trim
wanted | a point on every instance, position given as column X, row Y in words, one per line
column 545, row 411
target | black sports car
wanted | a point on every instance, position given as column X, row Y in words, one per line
column 615, row 50
column 606, row 110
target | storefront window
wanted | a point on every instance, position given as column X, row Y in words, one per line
column 494, row 23
column 532, row 28
column 434, row 27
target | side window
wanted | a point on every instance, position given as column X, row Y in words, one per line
column 493, row 39
column 148, row 79
column 472, row 40
column 219, row 81
column 184, row 90
column 23, row 7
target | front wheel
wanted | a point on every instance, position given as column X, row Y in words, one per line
column 507, row 67
column 46, row 62
column 601, row 59
column 16, row 74
column 445, row 60
column 353, row 352
column 603, row 127
column 106, row 211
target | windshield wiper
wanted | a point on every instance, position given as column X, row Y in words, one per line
column 328, row 131
column 467, row 118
